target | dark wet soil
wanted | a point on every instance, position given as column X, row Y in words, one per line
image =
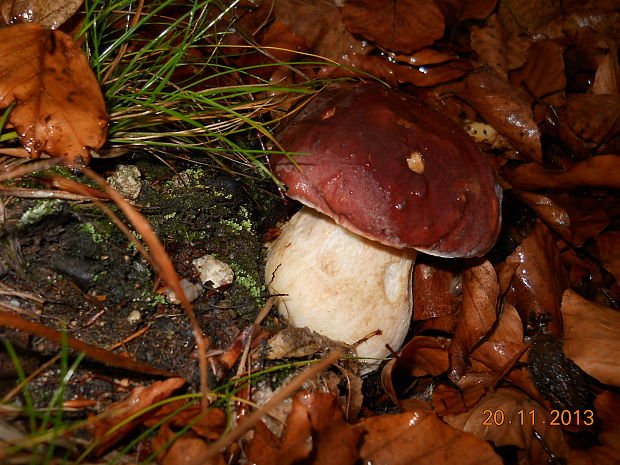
column 80, row 273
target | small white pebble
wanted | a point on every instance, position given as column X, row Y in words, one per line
column 134, row 317
column 192, row 291
column 212, row 270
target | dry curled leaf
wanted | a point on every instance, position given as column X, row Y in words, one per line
column 397, row 25
column 591, row 335
column 59, row 108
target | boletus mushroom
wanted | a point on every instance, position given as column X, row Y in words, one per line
column 382, row 175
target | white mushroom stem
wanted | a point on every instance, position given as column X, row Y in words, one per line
column 341, row 285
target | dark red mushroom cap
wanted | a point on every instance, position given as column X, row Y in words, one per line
column 386, row 166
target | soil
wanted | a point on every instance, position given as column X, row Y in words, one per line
column 82, row 274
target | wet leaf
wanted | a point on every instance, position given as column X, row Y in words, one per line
column 496, row 418
column 591, row 335
column 419, row 437
column 422, row 356
column 450, row 401
column 608, row 245
column 436, row 290
column 543, row 73
column 489, row 43
column 599, row 171
column 316, row 426
column 400, row 25
column 47, row 13
column 139, row 399
column 505, row 343
column 209, row 425
column 504, row 108
column 607, row 406
column 539, row 281
column 471, row 9
column 478, row 314
column 595, row 118
column 59, row 108
column 588, row 216
column 547, row 210
column 320, row 26
column 185, row 450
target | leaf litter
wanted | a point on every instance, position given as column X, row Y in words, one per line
column 500, row 347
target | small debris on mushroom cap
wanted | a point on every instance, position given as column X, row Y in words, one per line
column 386, row 166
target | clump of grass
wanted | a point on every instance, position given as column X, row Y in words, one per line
column 170, row 82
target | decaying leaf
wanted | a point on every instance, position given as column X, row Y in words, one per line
column 47, row 13
column 591, row 335
column 608, row 244
column 400, row 25
column 59, row 108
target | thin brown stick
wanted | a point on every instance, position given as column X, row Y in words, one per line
column 28, row 168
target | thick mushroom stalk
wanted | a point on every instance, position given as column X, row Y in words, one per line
column 387, row 168
column 340, row 284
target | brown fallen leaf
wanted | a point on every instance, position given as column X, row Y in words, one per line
column 508, row 417
column 607, row 451
column 317, row 432
column 436, row 289
column 505, row 343
column 106, row 429
column 489, row 42
column 59, row 108
column 47, row 13
column 505, row 108
column 591, row 335
column 417, row 438
column 598, row 171
column 422, row 356
column 547, row 210
column 594, row 118
column 543, row 73
column 537, row 286
column 400, row 26
column 184, row 450
column 588, row 215
column 477, row 316
column 608, row 244
column 471, row 9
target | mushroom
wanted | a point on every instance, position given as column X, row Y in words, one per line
column 382, row 175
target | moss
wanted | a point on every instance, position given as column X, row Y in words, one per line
column 39, row 210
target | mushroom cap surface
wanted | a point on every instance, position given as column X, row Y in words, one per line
column 386, row 166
